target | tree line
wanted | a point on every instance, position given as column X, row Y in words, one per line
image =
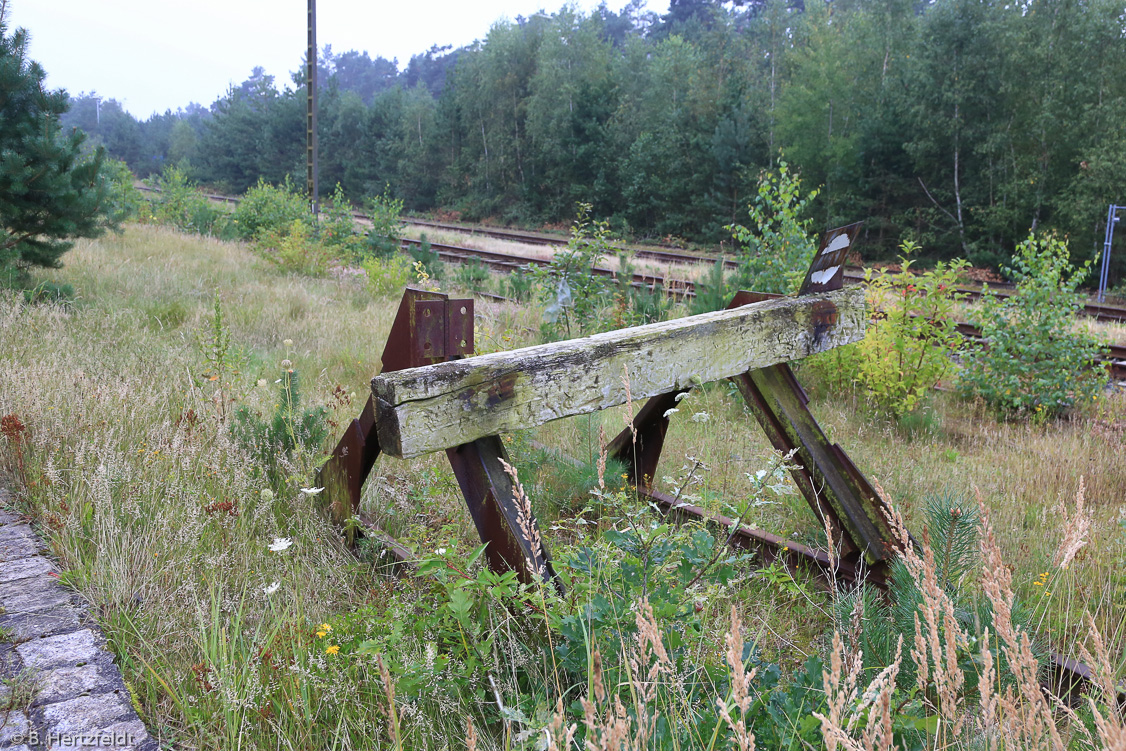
column 956, row 124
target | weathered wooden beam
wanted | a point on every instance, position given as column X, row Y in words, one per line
column 447, row 404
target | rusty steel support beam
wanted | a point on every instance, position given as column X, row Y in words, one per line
column 769, row 547
column 639, row 448
column 503, row 520
column 428, row 328
column 831, row 484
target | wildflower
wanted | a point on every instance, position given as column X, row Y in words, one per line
column 287, row 365
column 280, row 544
column 288, row 343
column 272, row 588
column 334, row 649
column 440, row 551
column 266, row 494
column 325, row 627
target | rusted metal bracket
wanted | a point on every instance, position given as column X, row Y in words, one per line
column 428, row 328
column 835, row 489
column 639, row 447
column 503, row 517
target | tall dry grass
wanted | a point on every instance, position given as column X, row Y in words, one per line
column 177, row 541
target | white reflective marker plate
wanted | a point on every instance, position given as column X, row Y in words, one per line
column 838, row 242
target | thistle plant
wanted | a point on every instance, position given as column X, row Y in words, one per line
column 290, row 429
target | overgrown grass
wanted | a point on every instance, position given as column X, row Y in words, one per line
column 177, row 538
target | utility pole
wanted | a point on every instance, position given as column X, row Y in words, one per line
column 311, row 186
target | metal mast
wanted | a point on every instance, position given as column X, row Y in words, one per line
column 311, row 186
column 1111, row 220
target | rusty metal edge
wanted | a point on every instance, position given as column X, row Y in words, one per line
column 403, row 559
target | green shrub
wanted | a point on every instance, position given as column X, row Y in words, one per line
column 712, row 292
column 934, row 601
column 575, row 298
column 124, row 198
column 519, row 285
column 180, row 204
column 337, row 227
column 1035, row 361
column 907, row 349
column 637, row 305
column 48, row 292
column 386, row 226
column 266, row 208
column 472, row 275
column 423, row 253
column 295, row 248
column 388, row 276
column 776, row 251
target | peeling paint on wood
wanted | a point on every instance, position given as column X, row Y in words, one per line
column 426, row 409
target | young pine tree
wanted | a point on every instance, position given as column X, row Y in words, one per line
column 49, row 191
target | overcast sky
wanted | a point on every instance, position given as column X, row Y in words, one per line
column 154, row 55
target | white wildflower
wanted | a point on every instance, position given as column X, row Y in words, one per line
column 272, row 588
column 280, row 543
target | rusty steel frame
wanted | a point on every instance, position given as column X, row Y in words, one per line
column 429, row 328
column 835, row 489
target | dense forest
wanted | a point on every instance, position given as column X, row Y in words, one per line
column 960, row 124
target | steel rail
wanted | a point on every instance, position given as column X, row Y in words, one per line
column 853, row 274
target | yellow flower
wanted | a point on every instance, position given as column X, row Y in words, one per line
column 325, row 627
column 322, row 634
column 332, row 650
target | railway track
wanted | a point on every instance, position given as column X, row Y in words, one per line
column 853, row 274
column 679, row 288
column 506, row 262
column 1115, row 359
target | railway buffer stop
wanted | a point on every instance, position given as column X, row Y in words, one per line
column 434, row 395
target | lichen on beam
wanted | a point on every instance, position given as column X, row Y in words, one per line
column 427, row 409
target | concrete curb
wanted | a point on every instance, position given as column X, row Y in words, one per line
column 79, row 699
